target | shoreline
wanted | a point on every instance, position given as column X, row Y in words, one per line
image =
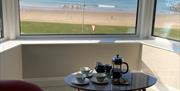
column 74, row 16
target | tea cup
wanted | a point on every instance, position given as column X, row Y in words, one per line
column 86, row 70
column 100, row 77
column 80, row 77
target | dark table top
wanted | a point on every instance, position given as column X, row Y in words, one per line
column 137, row 80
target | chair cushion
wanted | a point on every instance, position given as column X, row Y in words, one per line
column 18, row 85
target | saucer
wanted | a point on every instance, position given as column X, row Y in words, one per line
column 94, row 80
column 86, row 81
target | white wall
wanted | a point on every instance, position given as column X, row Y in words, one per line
column 165, row 65
column 59, row 60
column 11, row 64
column 62, row 59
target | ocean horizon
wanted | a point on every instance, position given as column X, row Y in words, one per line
column 97, row 5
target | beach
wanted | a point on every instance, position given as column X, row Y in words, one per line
column 76, row 17
column 168, row 21
column 97, row 18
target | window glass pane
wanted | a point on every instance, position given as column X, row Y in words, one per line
column 1, row 20
column 167, row 19
column 110, row 16
column 78, row 16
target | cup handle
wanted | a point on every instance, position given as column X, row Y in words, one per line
column 91, row 71
column 126, row 69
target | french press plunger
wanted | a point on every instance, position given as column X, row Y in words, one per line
column 117, row 64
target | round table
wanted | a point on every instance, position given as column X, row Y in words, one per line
column 137, row 81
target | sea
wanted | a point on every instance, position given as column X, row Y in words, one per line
column 163, row 6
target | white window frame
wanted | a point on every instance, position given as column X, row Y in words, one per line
column 143, row 32
column 2, row 35
column 10, row 23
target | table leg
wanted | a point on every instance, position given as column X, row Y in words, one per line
column 143, row 89
column 78, row 89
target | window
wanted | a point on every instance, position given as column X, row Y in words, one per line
column 167, row 19
column 94, row 17
column 1, row 20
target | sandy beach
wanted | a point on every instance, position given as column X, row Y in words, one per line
column 97, row 18
column 75, row 17
column 169, row 21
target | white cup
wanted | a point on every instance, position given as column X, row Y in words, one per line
column 86, row 70
column 80, row 77
column 100, row 77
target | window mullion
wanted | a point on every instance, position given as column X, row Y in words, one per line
column 146, row 18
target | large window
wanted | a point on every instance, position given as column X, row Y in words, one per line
column 78, row 17
column 1, row 20
column 167, row 19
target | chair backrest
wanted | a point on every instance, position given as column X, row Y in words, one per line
column 18, row 85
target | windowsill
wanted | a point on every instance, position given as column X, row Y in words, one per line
column 158, row 43
column 7, row 45
column 2, row 40
column 163, row 44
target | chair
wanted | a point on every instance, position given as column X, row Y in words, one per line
column 18, row 85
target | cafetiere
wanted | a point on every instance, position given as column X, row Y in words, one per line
column 117, row 71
